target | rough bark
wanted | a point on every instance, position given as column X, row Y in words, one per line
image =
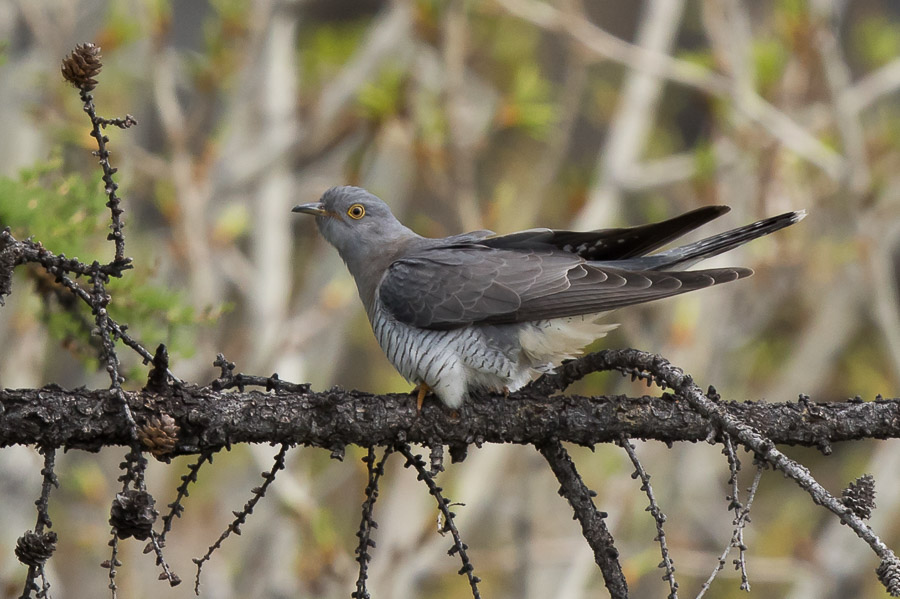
column 210, row 419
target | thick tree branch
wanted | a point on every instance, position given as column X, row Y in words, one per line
column 209, row 419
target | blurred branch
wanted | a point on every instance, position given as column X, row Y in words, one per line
column 609, row 47
column 462, row 159
column 210, row 419
column 837, row 79
column 778, row 124
column 544, row 172
column 873, row 86
column 634, row 118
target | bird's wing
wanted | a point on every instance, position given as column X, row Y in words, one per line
column 467, row 238
column 443, row 288
column 610, row 244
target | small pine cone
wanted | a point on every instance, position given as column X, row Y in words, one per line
column 133, row 514
column 889, row 574
column 33, row 549
column 860, row 496
column 81, row 66
column 159, row 434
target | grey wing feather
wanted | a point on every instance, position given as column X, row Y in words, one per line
column 446, row 288
column 610, row 244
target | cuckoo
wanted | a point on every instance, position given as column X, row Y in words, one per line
column 479, row 311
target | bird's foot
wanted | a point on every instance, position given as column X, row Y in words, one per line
column 421, row 390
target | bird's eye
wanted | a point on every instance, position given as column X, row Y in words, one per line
column 356, row 211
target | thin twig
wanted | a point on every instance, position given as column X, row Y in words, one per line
column 58, row 266
column 167, row 573
column 417, row 462
column 765, row 450
column 593, row 526
column 241, row 516
column 99, row 300
column 737, row 540
column 368, row 524
column 658, row 517
column 119, row 263
column 112, row 563
column 43, row 520
column 176, row 508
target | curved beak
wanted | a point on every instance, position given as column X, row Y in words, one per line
column 314, row 208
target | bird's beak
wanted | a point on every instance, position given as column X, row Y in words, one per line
column 314, row 208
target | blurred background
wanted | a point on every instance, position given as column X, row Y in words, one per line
column 502, row 114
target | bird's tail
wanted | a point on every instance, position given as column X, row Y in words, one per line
column 688, row 255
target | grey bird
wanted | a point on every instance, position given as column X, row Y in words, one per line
column 480, row 311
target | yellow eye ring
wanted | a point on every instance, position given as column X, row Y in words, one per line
column 356, row 211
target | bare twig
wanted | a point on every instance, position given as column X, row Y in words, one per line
column 241, row 516
column 229, row 380
column 112, row 563
column 176, row 509
column 367, row 524
column 34, row 548
column 659, row 518
column 592, row 522
column 742, row 517
column 765, row 450
column 417, row 462
column 120, row 262
column 58, row 266
column 167, row 573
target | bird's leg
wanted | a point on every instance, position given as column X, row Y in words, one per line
column 422, row 389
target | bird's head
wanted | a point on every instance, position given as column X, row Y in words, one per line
column 355, row 222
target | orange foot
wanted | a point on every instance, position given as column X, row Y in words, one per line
column 422, row 389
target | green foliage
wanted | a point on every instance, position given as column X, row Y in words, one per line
column 530, row 106
column 67, row 213
column 769, row 61
column 877, row 40
column 120, row 27
column 54, row 208
column 603, row 98
column 383, row 98
column 224, row 34
column 705, row 161
column 231, row 9
column 431, row 120
column 702, row 58
column 327, row 48
column 508, row 42
column 792, row 8
column 506, row 51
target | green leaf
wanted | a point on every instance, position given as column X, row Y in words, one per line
column 877, row 40
column 383, row 97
